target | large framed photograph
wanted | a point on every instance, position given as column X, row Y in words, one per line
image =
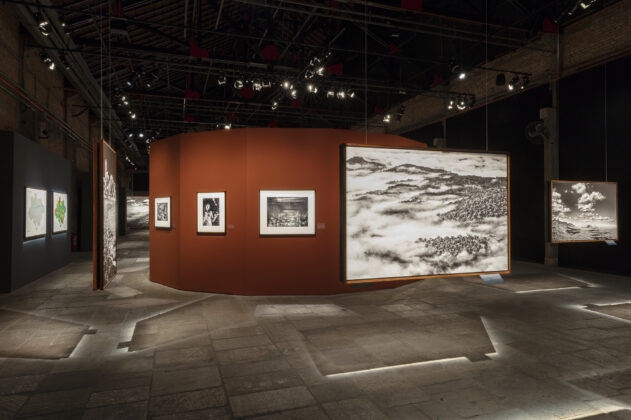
column 162, row 212
column 138, row 212
column 35, row 213
column 211, row 212
column 584, row 211
column 416, row 213
column 60, row 212
column 287, row 212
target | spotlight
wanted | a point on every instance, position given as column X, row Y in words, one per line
column 451, row 104
column 387, row 118
column 274, row 106
column 43, row 27
column 51, row 65
column 513, row 83
column 141, row 135
column 459, row 70
column 238, row 84
column 524, row 82
column 312, row 88
column 227, row 126
column 320, row 71
column 461, row 104
column 148, row 141
column 222, row 81
column 48, row 61
column 500, row 80
column 130, row 135
column 294, row 93
column 123, row 98
column 350, row 93
column 257, row 86
column 330, row 94
column 309, row 74
column 286, row 85
column 341, row 94
column 462, row 75
column 126, row 103
column 129, row 83
column 586, row 4
column 133, row 116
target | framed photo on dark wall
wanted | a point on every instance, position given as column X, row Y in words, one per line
column 35, row 213
column 584, row 211
column 60, row 212
column 287, row 212
column 412, row 213
column 162, row 212
column 211, row 212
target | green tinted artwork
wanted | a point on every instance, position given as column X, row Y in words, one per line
column 60, row 210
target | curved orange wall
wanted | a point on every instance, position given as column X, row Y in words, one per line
column 242, row 162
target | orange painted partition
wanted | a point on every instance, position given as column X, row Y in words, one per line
column 242, row 162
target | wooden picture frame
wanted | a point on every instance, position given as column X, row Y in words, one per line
column 344, row 221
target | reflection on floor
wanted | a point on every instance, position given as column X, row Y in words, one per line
column 436, row 349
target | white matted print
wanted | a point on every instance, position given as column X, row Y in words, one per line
column 35, row 213
column 584, row 211
column 211, row 212
column 162, row 212
column 287, row 212
column 60, row 212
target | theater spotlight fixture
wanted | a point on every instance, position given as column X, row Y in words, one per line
column 141, row 135
column 513, row 83
column 350, row 93
column 461, row 103
column 48, row 61
column 274, row 106
column 459, row 71
column 130, row 135
column 133, row 116
column 222, row 81
column 320, row 71
column 294, row 94
column 311, row 88
column 286, row 85
column 227, row 126
column 330, row 94
column 341, row 94
column 238, row 84
column 387, row 118
column 451, row 104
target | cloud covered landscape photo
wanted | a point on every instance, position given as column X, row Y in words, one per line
column 414, row 213
column 584, row 211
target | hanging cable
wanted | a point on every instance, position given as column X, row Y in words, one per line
column 486, row 73
column 101, row 65
column 366, row 72
column 606, row 133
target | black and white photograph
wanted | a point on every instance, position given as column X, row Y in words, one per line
column 420, row 213
column 162, row 212
column 287, row 212
column 110, row 215
column 211, row 212
column 584, row 211
column 138, row 212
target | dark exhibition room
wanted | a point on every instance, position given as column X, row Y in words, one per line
column 311, row 210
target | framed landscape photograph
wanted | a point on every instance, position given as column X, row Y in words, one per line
column 35, row 213
column 60, row 212
column 211, row 212
column 287, row 212
column 584, row 211
column 413, row 213
column 162, row 212
column 138, row 212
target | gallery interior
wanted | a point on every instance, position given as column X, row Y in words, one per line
column 327, row 209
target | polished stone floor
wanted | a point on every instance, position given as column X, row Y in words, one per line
column 546, row 344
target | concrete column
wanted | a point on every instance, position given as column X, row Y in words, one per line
column 550, row 168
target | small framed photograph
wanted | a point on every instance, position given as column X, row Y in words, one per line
column 162, row 212
column 211, row 212
column 35, row 213
column 287, row 212
column 60, row 212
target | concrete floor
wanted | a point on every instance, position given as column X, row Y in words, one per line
column 546, row 344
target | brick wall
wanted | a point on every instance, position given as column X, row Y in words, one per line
column 601, row 36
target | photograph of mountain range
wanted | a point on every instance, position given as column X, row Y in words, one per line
column 584, row 211
column 419, row 213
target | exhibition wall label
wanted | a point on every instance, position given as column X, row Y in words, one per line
column 584, row 211
column 417, row 213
